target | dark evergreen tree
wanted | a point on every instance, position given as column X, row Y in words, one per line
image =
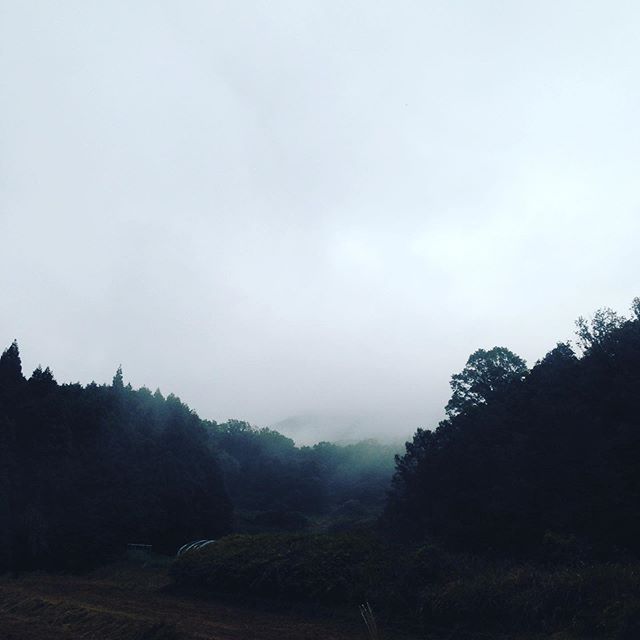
column 85, row 470
column 43, row 378
column 10, row 367
column 118, row 380
column 556, row 454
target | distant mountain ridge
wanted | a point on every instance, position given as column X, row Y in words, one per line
column 341, row 428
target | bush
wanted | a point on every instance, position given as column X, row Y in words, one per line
column 598, row 599
column 344, row 568
column 271, row 521
column 427, row 587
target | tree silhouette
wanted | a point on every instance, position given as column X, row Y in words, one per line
column 42, row 377
column 593, row 334
column 485, row 373
column 552, row 457
column 84, row 470
column 11, row 367
column 118, row 381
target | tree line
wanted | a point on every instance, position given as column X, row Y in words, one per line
column 282, row 486
column 533, row 459
column 84, row 470
column 526, row 460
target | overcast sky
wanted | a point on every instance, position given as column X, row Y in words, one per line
column 276, row 208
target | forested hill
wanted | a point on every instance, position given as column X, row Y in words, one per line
column 85, row 470
column 525, row 459
column 534, row 459
column 275, row 485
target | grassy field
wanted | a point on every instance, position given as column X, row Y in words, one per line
column 126, row 601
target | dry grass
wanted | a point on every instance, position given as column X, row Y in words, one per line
column 132, row 603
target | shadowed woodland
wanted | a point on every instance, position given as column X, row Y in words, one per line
column 519, row 512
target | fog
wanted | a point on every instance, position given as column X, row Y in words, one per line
column 311, row 213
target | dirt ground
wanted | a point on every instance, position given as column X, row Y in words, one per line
column 135, row 603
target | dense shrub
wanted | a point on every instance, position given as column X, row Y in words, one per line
column 270, row 521
column 426, row 587
column 343, row 568
column 598, row 599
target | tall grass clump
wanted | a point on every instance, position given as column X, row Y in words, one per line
column 343, row 568
column 427, row 588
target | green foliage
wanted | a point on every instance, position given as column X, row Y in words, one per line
column 265, row 471
column 598, row 600
column 118, row 380
column 346, row 568
column 428, row 587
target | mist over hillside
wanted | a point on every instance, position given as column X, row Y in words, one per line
column 310, row 428
column 326, row 213
column 292, row 316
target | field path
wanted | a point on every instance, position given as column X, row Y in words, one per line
column 126, row 603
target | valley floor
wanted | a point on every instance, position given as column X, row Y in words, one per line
column 130, row 603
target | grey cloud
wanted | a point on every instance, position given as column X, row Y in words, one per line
column 312, row 209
